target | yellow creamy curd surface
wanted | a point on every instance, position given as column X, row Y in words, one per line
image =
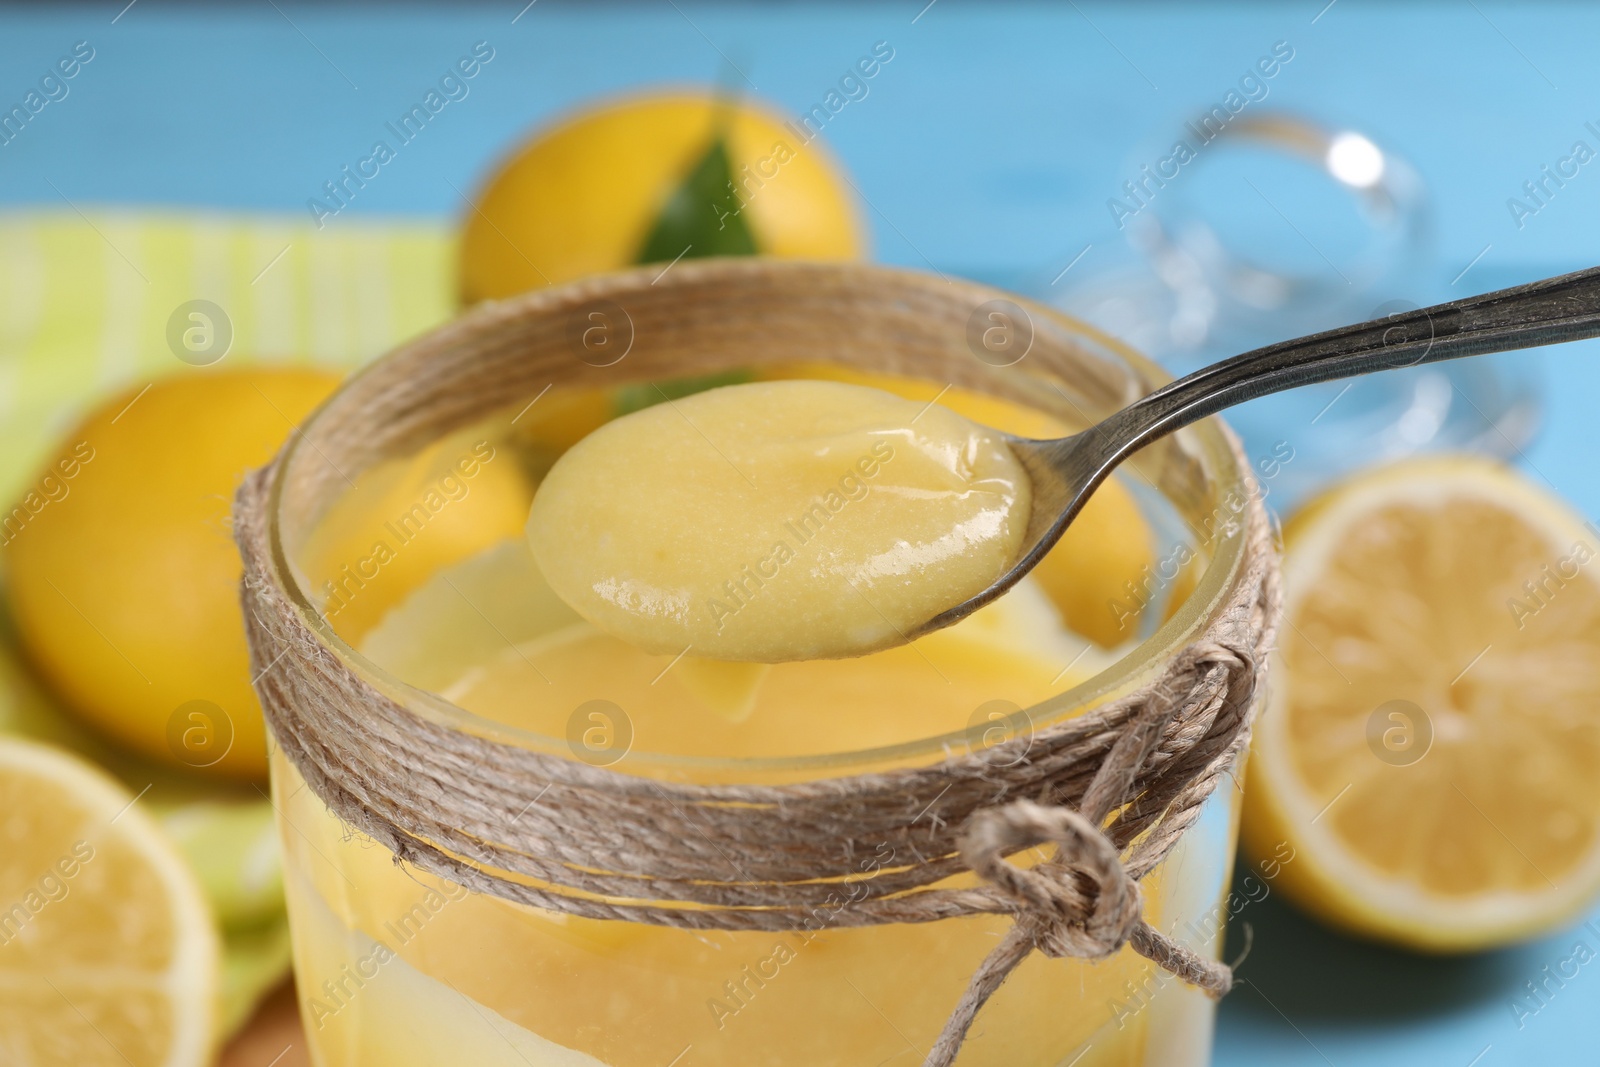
column 778, row 521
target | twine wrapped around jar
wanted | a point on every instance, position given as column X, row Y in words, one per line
column 1111, row 789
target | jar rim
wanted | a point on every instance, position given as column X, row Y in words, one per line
column 1220, row 461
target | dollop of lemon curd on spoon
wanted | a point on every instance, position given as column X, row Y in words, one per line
column 778, row 521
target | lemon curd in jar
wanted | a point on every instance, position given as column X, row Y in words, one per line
column 399, row 967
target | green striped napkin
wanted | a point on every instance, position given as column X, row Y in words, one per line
column 86, row 301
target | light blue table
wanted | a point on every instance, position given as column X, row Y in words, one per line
column 991, row 142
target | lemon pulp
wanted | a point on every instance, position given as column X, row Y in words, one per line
column 1429, row 751
column 108, row 953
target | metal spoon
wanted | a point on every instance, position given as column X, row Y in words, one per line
column 1067, row 470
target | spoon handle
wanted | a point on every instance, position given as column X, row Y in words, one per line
column 1565, row 308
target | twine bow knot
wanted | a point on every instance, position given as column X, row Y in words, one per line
column 1081, row 903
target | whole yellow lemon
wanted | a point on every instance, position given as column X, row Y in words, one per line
column 121, row 567
column 409, row 517
column 647, row 179
column 1096, row 572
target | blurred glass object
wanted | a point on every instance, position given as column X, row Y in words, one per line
column 1274, row 227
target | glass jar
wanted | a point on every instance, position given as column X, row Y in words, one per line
column 405, row 558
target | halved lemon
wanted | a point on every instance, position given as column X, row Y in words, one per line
column 1427, row 758
column 108, row 952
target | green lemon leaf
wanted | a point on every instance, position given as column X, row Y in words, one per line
column 254, row 962
column 233, row 848
column 702, row 217
column 631, row 398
